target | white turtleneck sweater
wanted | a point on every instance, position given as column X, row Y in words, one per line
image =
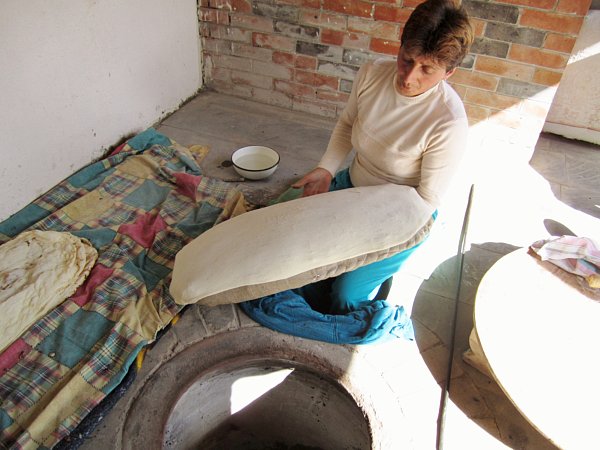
column 414, row 141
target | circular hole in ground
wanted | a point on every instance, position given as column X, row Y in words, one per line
column 266, row 405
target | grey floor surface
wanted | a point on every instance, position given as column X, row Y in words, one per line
column 514, row 204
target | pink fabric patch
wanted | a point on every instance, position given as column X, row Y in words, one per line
column 13, row 353
column 144, row 229
column 117, row 150
column 97, row 276
column 187, row 184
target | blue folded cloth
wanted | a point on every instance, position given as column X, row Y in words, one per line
column 288, row 312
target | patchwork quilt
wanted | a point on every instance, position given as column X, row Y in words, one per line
column 137, row 207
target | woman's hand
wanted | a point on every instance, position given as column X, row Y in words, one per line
column 314, row 182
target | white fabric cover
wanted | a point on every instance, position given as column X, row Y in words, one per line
column 38, row 271
column 291, row 244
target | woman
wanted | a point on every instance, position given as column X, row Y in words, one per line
column 407, row 126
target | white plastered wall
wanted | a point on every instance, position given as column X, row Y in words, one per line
column 575, row 111
column 78, row 76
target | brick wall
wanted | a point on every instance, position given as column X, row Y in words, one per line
column 304, row 54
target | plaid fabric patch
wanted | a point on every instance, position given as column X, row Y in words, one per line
column 115, row 216
column 109, row 361
column 219, row 191
column 58, row 221
column 115, row 294
column 47, row 324
column 134, row 219
column 76, row 336
column 175, row 209
column 26, row 382
column 59, row 197
column 118, row 185
column 166, row 245
column 163, row 301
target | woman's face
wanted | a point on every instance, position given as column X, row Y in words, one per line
column 417, row 74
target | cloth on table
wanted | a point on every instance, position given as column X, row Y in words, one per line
column 577, row 255
column 38, row 271
column 138, row 208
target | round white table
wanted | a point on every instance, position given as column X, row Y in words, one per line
column 539, row 330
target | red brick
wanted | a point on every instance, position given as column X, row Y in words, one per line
column 412, row 3
column 384, row 46
column 362, row 24
column 559, row 43
column 579, row 7
column 284, row 59
column 240, row 90
column 232, row 62
column 209, row 30
column 542, row 20
column 252, row 22
column 546, row 77
column 340, row 98
column 476, row 114
column 220, row 4
column 251, row 79
column 208, row 14
column 382, row 30
column 316, row 4
column 217, row 46
column 306, row 62
column 539, row 4
column 503, row 68
column 294, row 89
column 332, row 37
column 474, row 79
column 235, row 34
column 460, row 90
column 204, row 3
column 478, row 27
column 391, row 13
column 537, row 57
column 274, row 42
column 205, row 30
column 314, row 107
column 218, row 73
column 248, row 51
column 241, row 6
column 323, row 19
column 356, row 40
column 351, row 7
column 272, row 70
column 490, row 99
column 315, row 79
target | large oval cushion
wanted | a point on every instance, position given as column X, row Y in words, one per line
column 291, row 244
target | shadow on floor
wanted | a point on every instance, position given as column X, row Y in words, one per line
column 477, row 395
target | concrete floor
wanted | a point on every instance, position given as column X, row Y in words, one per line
column 516, row 202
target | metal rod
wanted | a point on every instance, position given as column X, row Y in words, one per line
column 460, row 258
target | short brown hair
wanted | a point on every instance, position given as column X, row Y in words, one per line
column 440, row 30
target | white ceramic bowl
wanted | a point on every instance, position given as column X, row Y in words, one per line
column 255, row 162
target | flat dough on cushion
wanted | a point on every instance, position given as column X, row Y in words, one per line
column 38, row 271
column 291, row 244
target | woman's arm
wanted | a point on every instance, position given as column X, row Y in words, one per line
column 441, row 160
